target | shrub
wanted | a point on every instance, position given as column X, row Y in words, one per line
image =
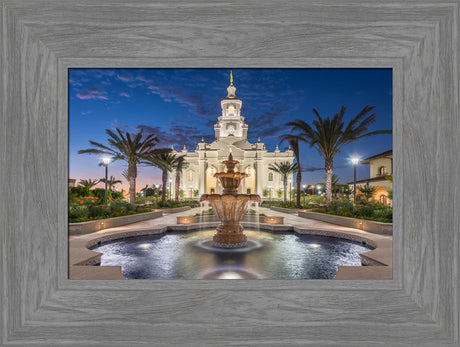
column 341, row 206
column 384, row 213
column 78, row 212
column 100, row 193
column 370, row 210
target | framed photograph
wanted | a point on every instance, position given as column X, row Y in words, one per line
column 42, row 40
column 205, row 180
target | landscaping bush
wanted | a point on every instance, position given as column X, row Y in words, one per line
column 100, row 193
column 369, row 210
column 341, row 207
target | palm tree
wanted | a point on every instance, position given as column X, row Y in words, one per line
column 89, row 183
column 110, row 182
column 178, row 166
column 164, row 160
column 335, row 185
column 329, row 136
column 124, row 173
column 284, row 168
column 367, row 190
column 294, row 143
column 126, row 147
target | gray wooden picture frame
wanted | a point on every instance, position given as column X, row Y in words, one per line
column 41, row 39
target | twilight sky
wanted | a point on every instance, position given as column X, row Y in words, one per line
column 181, row 106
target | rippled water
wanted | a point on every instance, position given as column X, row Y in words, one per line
column 191, row 256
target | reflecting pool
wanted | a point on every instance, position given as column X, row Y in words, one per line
column 180, row 255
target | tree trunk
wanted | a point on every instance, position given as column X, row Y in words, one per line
column 177, row 185
column 285, row 186
column 299, row 182
column 328, row 166
column 132, row 174
column 164, row 178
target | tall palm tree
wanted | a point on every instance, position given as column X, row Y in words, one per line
column 329, row 136
column 89, row 183
column 179, row 165
column 284, row 168
column 293, row 140
column 126, row 147
column 110, row 182
column 163, row 160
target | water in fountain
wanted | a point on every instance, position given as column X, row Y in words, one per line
column 230, row 207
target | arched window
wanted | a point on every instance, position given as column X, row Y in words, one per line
column 383, row 199
column 190, row 176
column 270, row 176
column 382, row 171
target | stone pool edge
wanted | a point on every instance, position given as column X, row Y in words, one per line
column 81, row 257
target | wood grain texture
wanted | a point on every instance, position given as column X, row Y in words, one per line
column 41, row 39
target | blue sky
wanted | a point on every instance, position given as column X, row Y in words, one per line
column 181, row 106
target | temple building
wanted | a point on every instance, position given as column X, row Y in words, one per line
column 231, row 136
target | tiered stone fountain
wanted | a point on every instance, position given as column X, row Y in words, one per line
column 230, row 207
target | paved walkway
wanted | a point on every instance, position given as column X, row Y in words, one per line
column 382, row 255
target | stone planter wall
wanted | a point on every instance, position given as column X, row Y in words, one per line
column 176, row 210
column 284, row 210
column 366, row 225
column 92, row 226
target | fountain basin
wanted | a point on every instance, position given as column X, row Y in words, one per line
column 230, row 208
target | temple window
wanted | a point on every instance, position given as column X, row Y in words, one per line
column 270, row 176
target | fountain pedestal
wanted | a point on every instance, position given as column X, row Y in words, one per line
column 230, row 207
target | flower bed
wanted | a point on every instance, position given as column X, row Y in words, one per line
column 90, row 208
column 368, row 210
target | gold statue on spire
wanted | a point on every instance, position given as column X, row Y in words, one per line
column 231, row 78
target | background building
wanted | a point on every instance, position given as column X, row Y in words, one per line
column 380, row 167
column 231, row 135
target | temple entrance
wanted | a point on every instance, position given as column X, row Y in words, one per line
column 250, row 181
column 211, row 181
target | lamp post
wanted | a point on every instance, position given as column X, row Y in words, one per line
column 318, row 188
column 170, row 192
column 304, row 192
column 355, row 162
column 270, row 188
column 191, row 191
column 290, row 190
column 106, row 161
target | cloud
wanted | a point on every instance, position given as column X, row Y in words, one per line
column 123, row 127
column 178, row 136
column 312, row 168
column 125, row 77
column 320, row 168
column 93, row 93
column 74, row 83
column 126, row 95
column 88, row 96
